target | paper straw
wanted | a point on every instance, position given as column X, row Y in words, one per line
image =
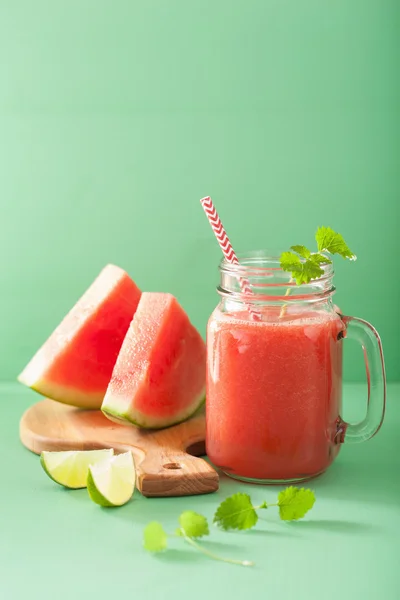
column 226, row 247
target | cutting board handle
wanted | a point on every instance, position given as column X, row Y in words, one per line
column 166, row 473
column 165, row 465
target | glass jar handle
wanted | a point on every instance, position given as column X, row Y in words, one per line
column 364, row 333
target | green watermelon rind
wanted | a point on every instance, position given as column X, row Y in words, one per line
column 66, row 395
column 127, row 417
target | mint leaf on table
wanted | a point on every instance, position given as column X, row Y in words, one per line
column 154, row 537
column 332, row 242
column 193, row 524
column 236, row 512
column 294, row 503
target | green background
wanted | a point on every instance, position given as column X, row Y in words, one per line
column 117, row 116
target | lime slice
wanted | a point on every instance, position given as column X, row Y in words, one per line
column 111, row 482
column 70, row 469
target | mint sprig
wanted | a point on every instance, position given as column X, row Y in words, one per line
column 303, row 271
column 235, row 512
column 305, row 265
column 238, row 512
column 192, row 526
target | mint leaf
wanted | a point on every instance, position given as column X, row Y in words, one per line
column 154, row 537
column 290, row 261
column 294, row 503
column 236, row 512
column 320, row 258
column 193, row 524
column 302, row 271
column 305, row 265
column 302, row 250
column 332, row 242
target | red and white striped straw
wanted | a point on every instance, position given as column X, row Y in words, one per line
column 226, row 247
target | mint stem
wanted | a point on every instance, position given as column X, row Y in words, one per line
column 284, row 306
column 189, row 540
column 265, row 505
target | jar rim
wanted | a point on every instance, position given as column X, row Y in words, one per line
column 265, row 263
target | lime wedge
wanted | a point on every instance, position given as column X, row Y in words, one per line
column 70, row 469
column 111, row 482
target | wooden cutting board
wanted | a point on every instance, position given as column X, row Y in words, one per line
column 165, row 460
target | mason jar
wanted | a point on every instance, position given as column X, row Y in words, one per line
column 274, row 374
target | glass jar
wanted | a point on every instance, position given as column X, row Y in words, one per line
column 274, row 374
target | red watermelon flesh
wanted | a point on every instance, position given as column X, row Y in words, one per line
column 159, row 377
column 75, row 364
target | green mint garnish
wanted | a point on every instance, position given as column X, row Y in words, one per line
column 154, row 537
column 332, row 242
column 192, row 525
column 303, row 271
column 235, row 512
column 238, row 512
column 294, row 503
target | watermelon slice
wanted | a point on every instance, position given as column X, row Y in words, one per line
column 159, row 377
column 74, row 365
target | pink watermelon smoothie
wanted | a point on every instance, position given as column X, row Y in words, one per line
column 273, row 393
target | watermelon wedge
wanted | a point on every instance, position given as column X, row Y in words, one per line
column 75, row 364
column 159, row 377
